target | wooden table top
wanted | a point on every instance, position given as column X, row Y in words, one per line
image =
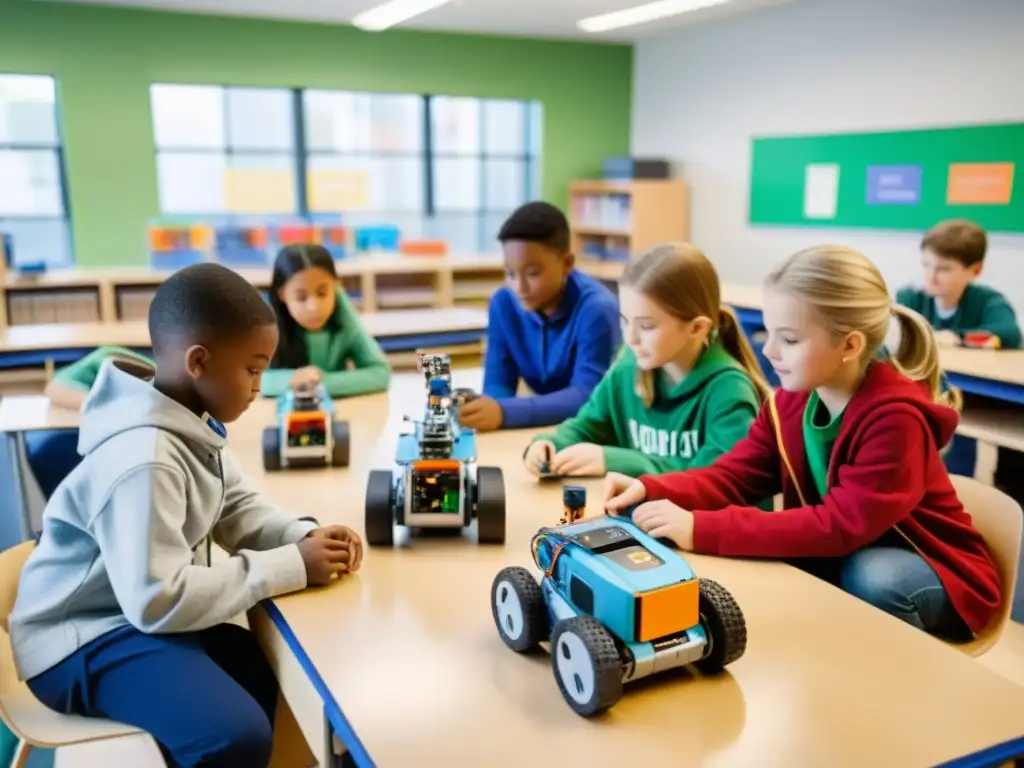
column 408, row 647
column 397, row 322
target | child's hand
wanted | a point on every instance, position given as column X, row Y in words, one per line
column 664, row 520
column 325, row 558
column 482, row 413
column 538, row 454
column 580, row 460
column 347, row 535
column 622, row 492
column 308, row 375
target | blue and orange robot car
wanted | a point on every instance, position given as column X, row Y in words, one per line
column 614, row 605
column 307, row 434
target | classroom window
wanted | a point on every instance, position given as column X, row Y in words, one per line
column 225, row 153
column 435, row 166
column 485, row 163
column 33, row 200
column 365, row 157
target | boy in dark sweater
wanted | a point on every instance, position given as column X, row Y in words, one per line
column 550, row 326
column 952, row 255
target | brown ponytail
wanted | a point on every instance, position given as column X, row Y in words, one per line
column 734, row 342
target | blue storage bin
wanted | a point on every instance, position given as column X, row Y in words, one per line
column 175, row 260
column 234, row 248
column 377, row 238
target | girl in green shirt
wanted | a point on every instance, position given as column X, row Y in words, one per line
column 321, row 336
column 685, row 390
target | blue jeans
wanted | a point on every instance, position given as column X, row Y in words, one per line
column 901, row 583
column 208, row 698
column 898, row 581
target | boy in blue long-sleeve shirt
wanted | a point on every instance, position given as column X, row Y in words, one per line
column 551, row 327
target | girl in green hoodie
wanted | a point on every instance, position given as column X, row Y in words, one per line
column 321, row 336
column 685, row 389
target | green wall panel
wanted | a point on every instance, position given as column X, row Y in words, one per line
column 779, row 165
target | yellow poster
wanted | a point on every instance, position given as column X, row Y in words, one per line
column 253, row 190
column 338, row 191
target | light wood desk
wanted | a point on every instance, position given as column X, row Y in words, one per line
column 408, row 653
column 403, row 660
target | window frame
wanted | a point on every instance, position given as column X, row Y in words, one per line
column 227, row 150
column 302, row 153
column 57, row 148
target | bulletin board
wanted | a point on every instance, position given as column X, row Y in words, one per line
column 895, row 180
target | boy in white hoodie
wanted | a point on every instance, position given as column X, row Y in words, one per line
column 120, row 612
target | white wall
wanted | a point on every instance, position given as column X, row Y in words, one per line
column 821, row 66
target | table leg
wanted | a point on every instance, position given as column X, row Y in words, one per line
column 16, row 448
column 337, row 755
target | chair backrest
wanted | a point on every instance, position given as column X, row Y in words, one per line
column 52, row 455
column 11, row 562
column 1000, row 520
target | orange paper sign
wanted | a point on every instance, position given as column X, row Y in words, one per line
column 980, row 184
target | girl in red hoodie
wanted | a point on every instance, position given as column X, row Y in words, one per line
column 852, row 442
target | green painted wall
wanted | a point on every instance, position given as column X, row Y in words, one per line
column 105, row 59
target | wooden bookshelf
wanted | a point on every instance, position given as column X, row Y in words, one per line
column 616, row 220
column 117, row 295
column 374, row 283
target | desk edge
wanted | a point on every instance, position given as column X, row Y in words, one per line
column 335, row 716
column 997, row 754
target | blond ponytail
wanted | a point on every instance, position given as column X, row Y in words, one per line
column 917, row 356
column 848, row 294
column 734, row 342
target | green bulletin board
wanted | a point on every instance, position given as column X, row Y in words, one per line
column 900, row 180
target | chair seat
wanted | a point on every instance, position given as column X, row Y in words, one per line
column 42, row 727
column 39, row 725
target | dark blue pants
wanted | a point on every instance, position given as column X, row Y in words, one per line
column 207, row 698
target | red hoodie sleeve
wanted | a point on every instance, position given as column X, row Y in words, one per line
column 881, row 487
column 748, row 474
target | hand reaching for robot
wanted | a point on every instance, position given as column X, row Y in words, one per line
column 664, row 520
column 580, row 460
column 482, row 413
column 310, row 374
column 538, row 457
column 622, row 492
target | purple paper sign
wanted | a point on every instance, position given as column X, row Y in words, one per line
column 894, row 184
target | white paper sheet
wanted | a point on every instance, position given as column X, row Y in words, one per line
column 821, row 190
